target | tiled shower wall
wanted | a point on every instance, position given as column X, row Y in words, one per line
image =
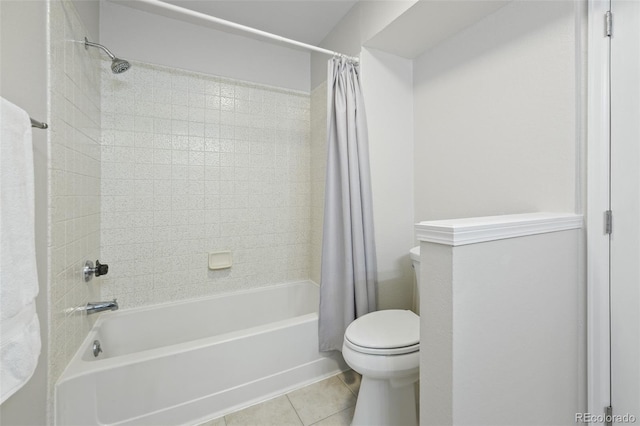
column 74, row 192
column 193, row 164
column 318, row 173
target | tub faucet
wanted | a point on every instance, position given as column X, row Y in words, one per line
column 93, row 307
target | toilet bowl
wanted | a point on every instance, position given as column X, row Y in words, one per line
column 384, row 347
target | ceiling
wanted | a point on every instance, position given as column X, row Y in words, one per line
column 428, row 23
column 308, row 21
column 419, row 28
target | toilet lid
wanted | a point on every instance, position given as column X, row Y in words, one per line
column 384, row 330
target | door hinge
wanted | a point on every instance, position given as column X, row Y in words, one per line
column 608, row 416
column 608, row 23
column 608, row 222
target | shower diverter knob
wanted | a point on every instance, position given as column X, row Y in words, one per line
column 101, row 269
column 89, row 270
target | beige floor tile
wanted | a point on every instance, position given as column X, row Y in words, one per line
column 343, row 418
column 215, row 422
column 321, row 400
column 275, row 412
column 351, row 379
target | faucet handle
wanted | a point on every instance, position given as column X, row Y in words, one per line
column 101, row 269
column 98, row 270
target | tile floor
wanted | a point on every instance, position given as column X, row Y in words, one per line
column 330, row 402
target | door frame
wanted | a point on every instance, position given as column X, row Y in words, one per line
column 598, row 201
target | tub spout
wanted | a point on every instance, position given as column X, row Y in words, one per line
column 93, row 307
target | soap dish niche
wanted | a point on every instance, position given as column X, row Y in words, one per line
column 220, row 260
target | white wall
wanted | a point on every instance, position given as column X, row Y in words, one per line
column 387, row 87
column 23, row 81
column 499, row 128
column 364, row 20
column 89, row 12
column 495, row 116
column 504, row 326
column 141, row 36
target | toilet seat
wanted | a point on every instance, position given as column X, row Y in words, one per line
column 386, row 332
column 391, row 351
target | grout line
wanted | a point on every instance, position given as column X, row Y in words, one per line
column 337, row 412
column 344, row 409
column 347, row 386
column 345, row 383
column 294, row 409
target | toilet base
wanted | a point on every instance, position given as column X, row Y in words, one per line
column 381, row 403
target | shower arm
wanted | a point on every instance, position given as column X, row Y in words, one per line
column 87, row 43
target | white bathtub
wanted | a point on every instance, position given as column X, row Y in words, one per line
column 187, row 362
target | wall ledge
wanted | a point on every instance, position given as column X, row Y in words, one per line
column 458, row 232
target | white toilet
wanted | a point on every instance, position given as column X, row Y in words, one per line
column 414, row 253
column 384, row 347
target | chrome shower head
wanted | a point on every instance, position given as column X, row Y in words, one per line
column 117, row 65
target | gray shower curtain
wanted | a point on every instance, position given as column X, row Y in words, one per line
column 348, row 280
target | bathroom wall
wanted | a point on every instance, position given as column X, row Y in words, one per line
column 497, row 115
column 191, row 164
column 388, row 93
column 505, row 323
column 364, row 20
column 223, row 165
column 23, row 81
column 74, row 192
column 156, row 39
column 89, row 13
column 67, row 179
column 257, row 61
column 317, row 164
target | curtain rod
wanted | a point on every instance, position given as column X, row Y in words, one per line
column 241, row 27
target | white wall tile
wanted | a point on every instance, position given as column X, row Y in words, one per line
column 192, row 169
column 75, row 185
column 317, row 152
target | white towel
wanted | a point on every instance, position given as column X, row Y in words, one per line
column 19, row 327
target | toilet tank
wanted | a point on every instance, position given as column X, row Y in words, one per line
column 415, row 260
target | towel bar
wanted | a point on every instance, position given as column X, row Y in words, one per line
column 39, row 125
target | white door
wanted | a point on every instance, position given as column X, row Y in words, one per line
column 625, row 205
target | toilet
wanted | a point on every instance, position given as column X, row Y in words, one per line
column 384, row 347
column 414, row 253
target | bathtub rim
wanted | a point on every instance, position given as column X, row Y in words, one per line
column 138, row 309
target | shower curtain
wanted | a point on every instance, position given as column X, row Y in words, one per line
column 348, row 270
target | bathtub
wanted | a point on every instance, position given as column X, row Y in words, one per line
column 188, row 362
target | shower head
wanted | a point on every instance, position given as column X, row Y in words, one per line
column 117, row 65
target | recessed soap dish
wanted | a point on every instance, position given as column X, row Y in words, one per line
column 220, row 260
